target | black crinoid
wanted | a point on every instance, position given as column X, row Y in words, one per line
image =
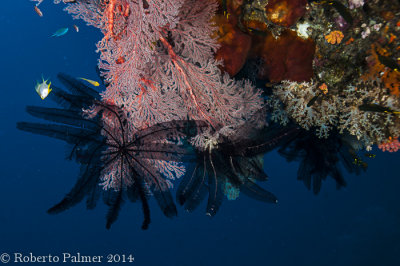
column 232, row 157
column 115, row 164
column 320, row 158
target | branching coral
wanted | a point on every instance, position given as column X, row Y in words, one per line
column 373, row 126
column 295, row 99
column 365, row 111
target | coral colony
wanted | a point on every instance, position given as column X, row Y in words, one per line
column 223, row 82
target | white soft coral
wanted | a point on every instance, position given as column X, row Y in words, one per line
column 355, row 3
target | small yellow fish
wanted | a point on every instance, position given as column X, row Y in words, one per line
column 359, row 162
column 94, row 83
column 43, row 89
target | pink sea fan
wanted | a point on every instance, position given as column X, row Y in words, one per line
column 191, row 36
column 207, row 93
column 164, row 49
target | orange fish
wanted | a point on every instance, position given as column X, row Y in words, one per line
column 38, row 11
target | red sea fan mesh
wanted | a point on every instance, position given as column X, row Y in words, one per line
column 157, row 57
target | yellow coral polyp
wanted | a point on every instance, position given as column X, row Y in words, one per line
column 335, row 37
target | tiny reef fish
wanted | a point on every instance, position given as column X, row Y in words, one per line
column 60, row 32
column 313, row 99
column 43, row 89
column 340, row 8
column 94, row 83
column 360, row 162
column 38, row 11
column 389, row 62
column 376, row 108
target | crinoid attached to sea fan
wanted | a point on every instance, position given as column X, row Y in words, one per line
column 115, row 163
column 320, row 157
column 230, row 157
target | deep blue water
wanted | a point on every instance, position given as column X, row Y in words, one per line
column 357, row 225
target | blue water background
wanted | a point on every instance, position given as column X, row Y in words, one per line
column 357, row 225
